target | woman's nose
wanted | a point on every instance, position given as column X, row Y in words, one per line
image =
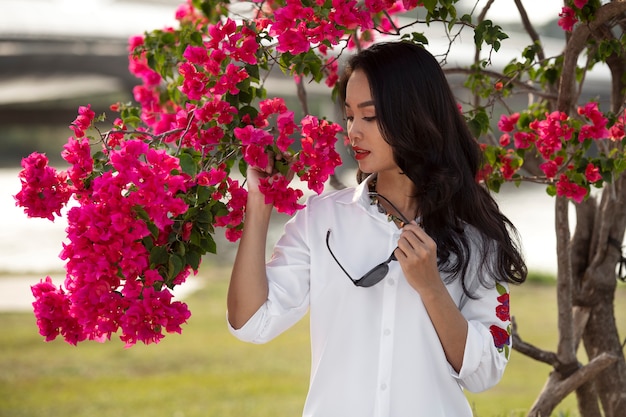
column 354, row 133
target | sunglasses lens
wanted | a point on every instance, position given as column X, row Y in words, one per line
column 374, row 276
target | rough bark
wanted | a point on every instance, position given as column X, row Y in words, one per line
column 586, row 281
column 558, row 386
column 597, row 293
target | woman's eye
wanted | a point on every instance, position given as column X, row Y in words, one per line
column 370, row 118
column 349, row 118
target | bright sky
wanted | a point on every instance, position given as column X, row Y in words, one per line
column 539, row 11
column 115, row 18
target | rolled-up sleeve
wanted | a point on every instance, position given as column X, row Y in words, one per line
column 288, row 281
column 488, row 342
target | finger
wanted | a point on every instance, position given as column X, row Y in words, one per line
column 408, row 244
column 269, row 168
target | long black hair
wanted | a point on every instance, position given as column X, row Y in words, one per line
column 418, row 116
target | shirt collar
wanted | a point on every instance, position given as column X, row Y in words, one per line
column 360, row 195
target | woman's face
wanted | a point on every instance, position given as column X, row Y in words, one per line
column 372, row 152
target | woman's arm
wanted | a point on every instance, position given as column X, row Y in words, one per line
column 248, row 287
column 417, row 255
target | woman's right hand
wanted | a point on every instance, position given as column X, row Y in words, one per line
column 254, row 174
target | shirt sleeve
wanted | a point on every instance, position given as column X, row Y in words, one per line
column 288, row 280
column 488, row 343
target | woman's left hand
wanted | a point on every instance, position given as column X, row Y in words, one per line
column 417, row 255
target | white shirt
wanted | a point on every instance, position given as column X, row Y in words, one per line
column 375, row 352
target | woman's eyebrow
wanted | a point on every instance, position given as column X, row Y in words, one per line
column 361, row 105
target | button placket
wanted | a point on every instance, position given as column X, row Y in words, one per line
column 385, row 361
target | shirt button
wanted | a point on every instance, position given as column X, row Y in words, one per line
column 391, row 281
column 387, row 332
column 383, row 387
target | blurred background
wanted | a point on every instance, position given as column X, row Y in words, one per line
column 56, row 55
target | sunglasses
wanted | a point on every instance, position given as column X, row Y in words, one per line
column 370, row 278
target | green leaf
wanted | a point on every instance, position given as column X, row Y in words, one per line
column 253, row 72
column 193, row 259
column 209, row 244
column 430, row 4
column 243, row 167
column 168, row 38
column 219, row 209
column 203, row 194
column 158, row 255
column 174, row 266
column 204, row 216
column 188, row 164
column 196, row 38
column 416, row 37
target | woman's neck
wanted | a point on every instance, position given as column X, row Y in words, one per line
column 400, row 191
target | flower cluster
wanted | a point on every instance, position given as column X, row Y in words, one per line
column 566, row 166
column 149, row 192
column 568, row 16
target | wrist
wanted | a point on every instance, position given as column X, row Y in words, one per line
column 256, row 205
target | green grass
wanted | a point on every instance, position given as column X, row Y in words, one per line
column 207, row 372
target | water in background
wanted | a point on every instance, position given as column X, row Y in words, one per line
column 32, row 246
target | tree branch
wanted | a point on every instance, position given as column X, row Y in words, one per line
column 499, row 76
column 556, row 389
column 575, row 46
column 481, row 17
column 530, row 29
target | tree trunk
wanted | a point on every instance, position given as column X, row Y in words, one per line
column 595, row 290
column 587, row 265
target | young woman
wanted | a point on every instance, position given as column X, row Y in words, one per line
column 405, row 276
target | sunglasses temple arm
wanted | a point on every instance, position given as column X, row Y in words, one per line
column 404, row 219
column 336, row 261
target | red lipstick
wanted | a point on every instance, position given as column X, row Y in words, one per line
column 359, row 153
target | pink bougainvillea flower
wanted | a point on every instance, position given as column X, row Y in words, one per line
column 507, row 168
column 567, row 19
column 83, row 120
column 196, row 55
column 507, row 123
column 597, row 130
column 51, row 307
column 617, row 131
column 550, row 168
column 277, row 192
column 592, row 173
column 214, row 176
column 411, row 4
column 77, row 152
column 293, row 41
column 44, row 190
column 569, row 189
column 195, row 84
column 250, row 135
column 551, row 133
column 580, row 3
column 523, row 140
